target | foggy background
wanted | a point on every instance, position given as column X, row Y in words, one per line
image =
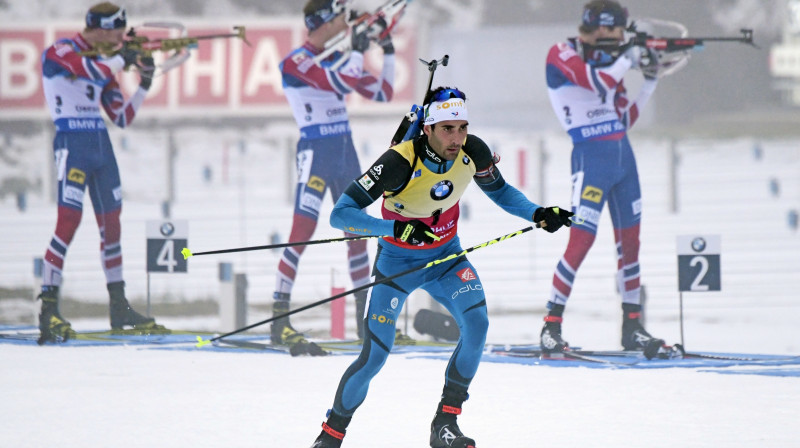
column 717, row 148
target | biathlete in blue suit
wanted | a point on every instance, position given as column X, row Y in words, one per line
column 421, row 182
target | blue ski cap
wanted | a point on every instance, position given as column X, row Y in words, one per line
column 325, row 14
column 605, row 13
column 106, row 21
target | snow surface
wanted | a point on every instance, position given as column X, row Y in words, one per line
column 132, row 397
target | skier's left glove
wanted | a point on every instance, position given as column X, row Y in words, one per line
column 552, row 218
column 385, row 42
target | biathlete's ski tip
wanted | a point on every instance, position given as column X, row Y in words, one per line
column 186, row 253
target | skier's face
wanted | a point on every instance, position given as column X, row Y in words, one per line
column 112, row 38
column 447, row 137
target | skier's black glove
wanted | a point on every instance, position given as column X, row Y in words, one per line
column 360, row 41
column 414, row 232
column 147, row 68
column 386, row 42
column 552, row 218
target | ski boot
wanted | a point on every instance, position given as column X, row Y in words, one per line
column 332, row 433
column 445, row 432
column 282, row 333
column 52, row 327
column 635, row 337
column 550, row 338
column 121, row 314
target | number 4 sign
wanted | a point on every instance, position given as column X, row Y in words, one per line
column 699, row 263
column 165, row 239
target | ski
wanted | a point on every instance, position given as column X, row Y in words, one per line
column 593, row 356
column 725, row 357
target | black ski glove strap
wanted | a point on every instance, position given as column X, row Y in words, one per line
column 414, row 232
column 552, row 218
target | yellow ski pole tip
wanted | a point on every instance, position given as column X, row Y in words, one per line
column 201, row 342
column 186, row 253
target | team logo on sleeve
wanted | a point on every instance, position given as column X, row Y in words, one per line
column 366, row 182
column 441, row 190
column 593, row 194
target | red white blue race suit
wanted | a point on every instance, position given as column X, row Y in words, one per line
column 76, row 89
column 591, row 102
column 416, row 184
column 326, row 157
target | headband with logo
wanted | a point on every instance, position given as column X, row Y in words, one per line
column 326, row 14
column 452, row 109
column 107, row 21
column 608, row 16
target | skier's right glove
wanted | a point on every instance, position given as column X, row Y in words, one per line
column 414, row 232
column 552, row 218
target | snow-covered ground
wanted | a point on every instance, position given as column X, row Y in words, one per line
column 124, row 396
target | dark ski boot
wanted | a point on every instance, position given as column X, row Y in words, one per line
column 445, row 432
column 550, row 338
column 122, row 315
column 52, row 326
column 332, row 433
column 282, row 332
column 635, row 337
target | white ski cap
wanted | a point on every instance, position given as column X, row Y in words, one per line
column 452, row 109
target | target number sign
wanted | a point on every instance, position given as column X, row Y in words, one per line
column 699, row 263
column 165, row 240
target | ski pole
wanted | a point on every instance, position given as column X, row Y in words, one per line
column 188, row 253
column 201, row 342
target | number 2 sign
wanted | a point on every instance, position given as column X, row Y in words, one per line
column 699, row 263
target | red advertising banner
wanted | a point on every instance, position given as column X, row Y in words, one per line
column 223, row 77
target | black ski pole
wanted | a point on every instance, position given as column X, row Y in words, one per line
column 409, row 118
column 201, row 342
column 188, row 253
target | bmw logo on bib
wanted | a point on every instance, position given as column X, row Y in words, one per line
column 441, row 190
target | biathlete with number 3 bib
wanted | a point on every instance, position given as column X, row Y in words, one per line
column 421, row 182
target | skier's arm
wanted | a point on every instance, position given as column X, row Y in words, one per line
column 492, row 183
column 348, row 213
